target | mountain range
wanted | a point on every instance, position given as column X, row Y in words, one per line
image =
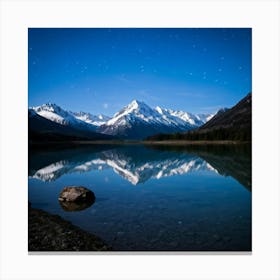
column 227, row 124
column 137, row 120
column 43, row 129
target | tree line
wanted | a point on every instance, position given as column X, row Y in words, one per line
column 241, row 134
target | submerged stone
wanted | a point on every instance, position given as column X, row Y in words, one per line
column 76, row 194
column 75, row 206
column 76, row 198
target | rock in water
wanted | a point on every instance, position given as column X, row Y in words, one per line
column 76, row 194
column 75, row 206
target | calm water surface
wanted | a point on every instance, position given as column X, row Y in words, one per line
column 152, row 198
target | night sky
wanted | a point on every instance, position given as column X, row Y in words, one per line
column 197, row 70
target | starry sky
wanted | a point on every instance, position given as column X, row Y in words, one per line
column 100, row 70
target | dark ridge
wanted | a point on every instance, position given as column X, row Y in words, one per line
column 232, row 124
column 239, row 116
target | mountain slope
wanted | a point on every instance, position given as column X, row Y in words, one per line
column 57, row 115
column 239, row 116
column 137, row 121
column 43, row 130
column 227, row 124
column 91, row 119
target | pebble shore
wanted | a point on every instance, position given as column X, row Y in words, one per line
column 48, row 232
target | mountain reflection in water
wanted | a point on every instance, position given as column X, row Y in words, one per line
column 191, row 198
column 138, row 164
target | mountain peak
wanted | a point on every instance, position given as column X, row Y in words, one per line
column 136, row 103
column 134, row 106
column 51, row 107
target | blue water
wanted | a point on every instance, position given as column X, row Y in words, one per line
column 152, row 198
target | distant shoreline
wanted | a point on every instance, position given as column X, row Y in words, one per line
column 199, row 142
column 139, row 142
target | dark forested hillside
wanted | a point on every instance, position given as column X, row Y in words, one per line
column 232, row 124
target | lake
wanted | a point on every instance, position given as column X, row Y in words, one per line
column 151, row 198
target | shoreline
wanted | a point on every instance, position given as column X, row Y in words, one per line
column 141, row 142
column 47, row 232
column 198, row 142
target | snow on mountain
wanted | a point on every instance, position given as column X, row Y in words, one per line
column 95, row 120
column 138, row 120
column 31, row 113
column 135, row 121
column 134, row 111
column 181, row 117
column 56, row 114
column 205, row 117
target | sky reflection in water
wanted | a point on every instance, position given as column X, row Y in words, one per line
column 152, row 198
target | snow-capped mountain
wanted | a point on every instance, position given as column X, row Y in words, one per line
column 135, row 121
column 42, row 129
column 80, row 120
column 180, row 117
column 56, row 114
column 138, row 120
column 95, row 120
column 205, row 117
